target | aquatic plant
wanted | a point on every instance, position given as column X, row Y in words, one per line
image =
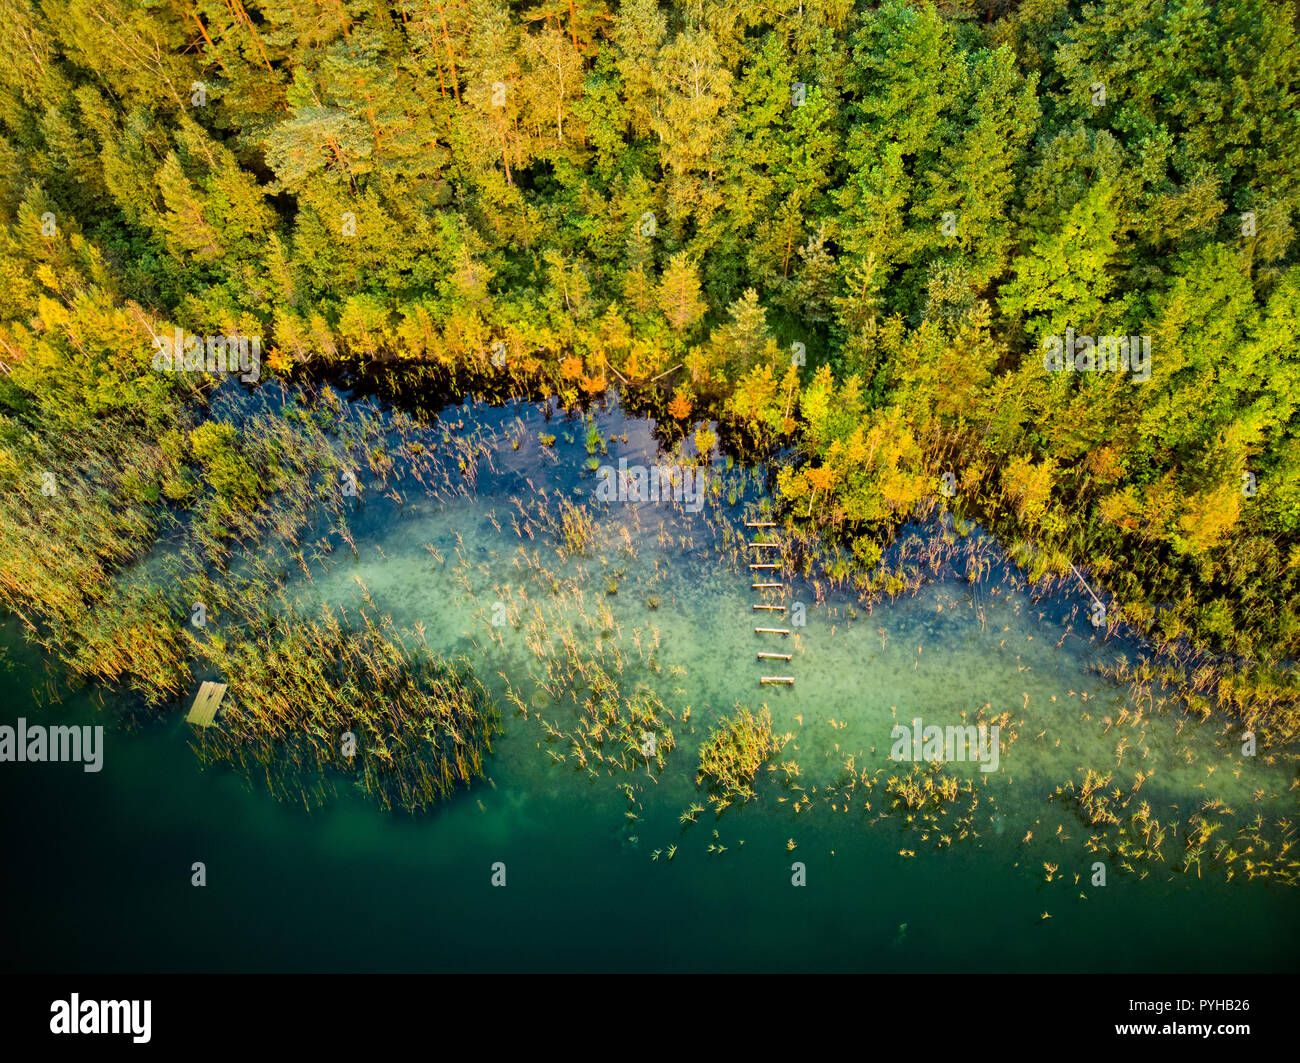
column 576, row 527
column 733, row 753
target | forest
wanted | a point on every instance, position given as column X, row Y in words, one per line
column 844, row 234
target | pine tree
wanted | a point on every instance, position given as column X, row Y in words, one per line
column 679, row 293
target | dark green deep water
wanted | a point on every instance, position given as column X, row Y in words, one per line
column 96, row 867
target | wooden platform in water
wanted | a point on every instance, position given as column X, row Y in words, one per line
column 204, row 710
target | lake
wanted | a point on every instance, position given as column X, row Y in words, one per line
column 97, row 869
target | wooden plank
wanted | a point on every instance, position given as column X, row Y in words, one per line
column 787, row 680
column 204, row 710
column 772, row 608
column 771, row 631
column 775, row 656
column 765, row 546
column 766, row 586
column 760, row 524
column 776, row 565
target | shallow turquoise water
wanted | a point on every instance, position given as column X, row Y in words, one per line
column 97, row 868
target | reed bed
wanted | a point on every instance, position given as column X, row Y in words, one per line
column 1128, row 834
column 315, row 698
column 235, row 499
column 76, row 511
column 732, row 755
